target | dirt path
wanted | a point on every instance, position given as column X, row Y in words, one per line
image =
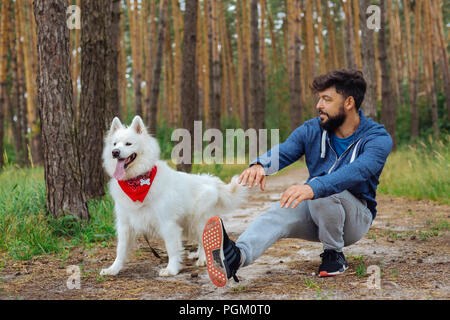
column 409, row 241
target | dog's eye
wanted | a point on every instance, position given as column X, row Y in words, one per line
column 128, row 144
column 115, row 143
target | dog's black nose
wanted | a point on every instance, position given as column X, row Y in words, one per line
column 116, row 153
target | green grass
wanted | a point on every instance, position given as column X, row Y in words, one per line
column 419, row 172
column 25, row 228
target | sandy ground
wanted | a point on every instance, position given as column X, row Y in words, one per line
column 408, row 242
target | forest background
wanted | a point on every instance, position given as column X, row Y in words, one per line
column 251, row 62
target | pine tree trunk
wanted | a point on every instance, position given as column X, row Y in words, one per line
column 409, row 59
column 189, row 81
column 322, row 64
column 243, row 65
column 263, row 63
column 156, row 77
column 368, row 62
column 27, row 45
column 388, row 112
column 123, row 82
column 350, row 35
column 214, row 63
column 246, row 63
column 356, row 26
column 442, row 45
column 178, row 35
column 431, row 65
column 15, row 115
column 61, row 159
column 295, row 98
column 22, row 107
column 112, row 63
column 93, row 107
column 255, row 82
column 392, row 53
column 415, row 78
column 333, row 61
column 310, row 43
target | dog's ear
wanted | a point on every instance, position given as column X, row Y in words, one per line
column 138, row 125
column 115, row 125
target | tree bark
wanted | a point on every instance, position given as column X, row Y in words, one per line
column 112, row 22
column 255, row 80
column 368, row 57
column 189, row 81
column 350, row 35
column 61, row 159
column 414, row 111
column 214, row 65
column 388, row 110
column 333, row 61
column 437, row 10
column 295, row 109
column 431, row 65
column 93, row 107
column 322, row 64
column 153, row 107
column 243, row 63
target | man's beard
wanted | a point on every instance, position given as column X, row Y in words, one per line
column 332, row 123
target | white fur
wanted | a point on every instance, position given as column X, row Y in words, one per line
column 176, row 207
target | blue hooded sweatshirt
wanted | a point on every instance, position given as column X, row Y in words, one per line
column 357, row 169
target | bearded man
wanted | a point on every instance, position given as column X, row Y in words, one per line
column 345, row 153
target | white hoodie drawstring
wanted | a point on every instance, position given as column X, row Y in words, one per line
column 322, row 150
column 354, row 152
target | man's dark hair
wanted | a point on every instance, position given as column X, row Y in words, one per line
column 347, row 82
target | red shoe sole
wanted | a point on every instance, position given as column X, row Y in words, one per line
column 212, row 244
column 326, row 274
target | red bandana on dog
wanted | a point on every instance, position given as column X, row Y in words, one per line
column 137, row 188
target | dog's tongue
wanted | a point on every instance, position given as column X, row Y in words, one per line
column 120, row 170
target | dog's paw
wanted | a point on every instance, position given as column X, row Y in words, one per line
column 166, row 272
column 109, row 272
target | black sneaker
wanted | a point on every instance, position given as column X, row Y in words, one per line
column 333, row 263
column 222, row 255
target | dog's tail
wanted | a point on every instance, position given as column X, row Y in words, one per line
column 232, row 195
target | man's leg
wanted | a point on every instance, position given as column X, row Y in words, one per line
column 338, row 220
column 274, row 224
column 342, row 219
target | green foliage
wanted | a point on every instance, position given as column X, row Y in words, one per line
column 277, row 102
column 419, row 171
column 25, row 228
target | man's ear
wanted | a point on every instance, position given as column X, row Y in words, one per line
column 349, row 103
column 138, row 125
column 115, row 125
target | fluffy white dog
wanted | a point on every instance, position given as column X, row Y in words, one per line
column 153, row 199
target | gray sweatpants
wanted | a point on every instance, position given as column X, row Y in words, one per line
column 336, row 221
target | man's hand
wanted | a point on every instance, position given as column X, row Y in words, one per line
column 254, row 175
column 297, row 193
